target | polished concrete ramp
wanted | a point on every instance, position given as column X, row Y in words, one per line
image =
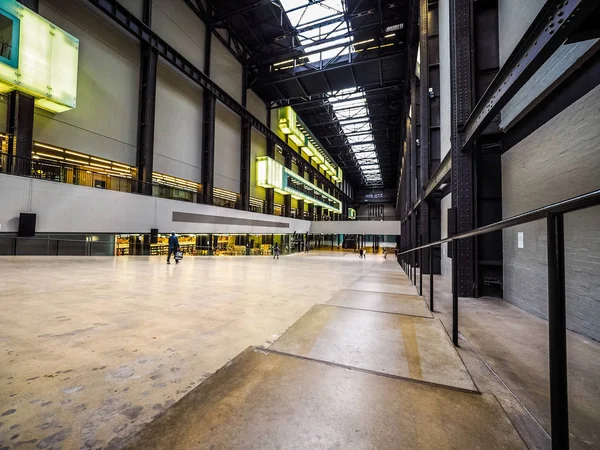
column 411, row 305
column 385, row 278
column 386, row 287
column 269, row 401
column 392, row 344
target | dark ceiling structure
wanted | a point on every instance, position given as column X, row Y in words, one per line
column 341, row 64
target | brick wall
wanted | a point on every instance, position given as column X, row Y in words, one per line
column 558, row 161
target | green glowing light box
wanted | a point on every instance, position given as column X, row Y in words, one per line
column 37, row 58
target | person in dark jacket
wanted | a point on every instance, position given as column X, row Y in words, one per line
column 276, row 251
column 173, row 247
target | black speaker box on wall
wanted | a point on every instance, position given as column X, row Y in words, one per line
column 154, row 235
column 26, row 225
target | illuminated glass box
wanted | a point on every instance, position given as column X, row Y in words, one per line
column 271, row 174
column 37, row 58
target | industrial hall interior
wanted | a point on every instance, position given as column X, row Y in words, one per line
column 299, row 224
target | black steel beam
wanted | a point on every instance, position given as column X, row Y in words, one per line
column 208, row 143
column 552, row 26
column 146, row 108
column 245, row 164
column 267, row 81
column 425, row 132
column 31, row 4
column 119, row 14
column 462, row 163
column 19, row 126
column 244, row 9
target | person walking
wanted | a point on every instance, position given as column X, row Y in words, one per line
column 276, row 251
column 385, row 253
column 360, row 253
column 173, row 247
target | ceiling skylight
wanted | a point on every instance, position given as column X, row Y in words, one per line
column 352, row 111
column 304, row 13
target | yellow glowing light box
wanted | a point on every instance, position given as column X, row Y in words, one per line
column 271, row 174
column 37, row 58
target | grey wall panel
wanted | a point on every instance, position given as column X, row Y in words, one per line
column 445, row 94
column 258, row 148
column 104, row 123
column 514, row 17
column 257, row 107
column 135, row 7
column 225, row 70
column 227, row 149
column 178, row 128
column 446, row 263
column 177, row 24
column 558, row 161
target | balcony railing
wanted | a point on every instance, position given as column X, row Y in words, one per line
column 61, row 172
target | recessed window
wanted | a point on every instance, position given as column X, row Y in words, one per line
column 9, row 39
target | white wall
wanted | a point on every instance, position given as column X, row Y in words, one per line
column 446, row 263
column 256, row 106
column 64, row 208
column 181, row 28
column 383, row 227
column 105, row 120
column 445, row 79
column 225, row 70
column 178, row 127
column 227, row 149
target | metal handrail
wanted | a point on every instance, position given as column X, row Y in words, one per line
column 562, row 207
column 557, row 325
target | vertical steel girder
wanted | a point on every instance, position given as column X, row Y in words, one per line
column 146, row 108
column 208, row 143
column 20, row 113
column 146, row 118
column 462, row 163
column 287, row 199
column 425, row 123
column 554, row 24
column 245, row 164
column 129, row 22
column 19, row 124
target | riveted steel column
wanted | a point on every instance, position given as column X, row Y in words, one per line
column 424, row 138
column 462, row 162
column 208, row 127
column 287, row 199
column 20, row 112
column 245, row 164
column 146, row 108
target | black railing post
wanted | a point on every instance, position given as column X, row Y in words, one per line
column 414, row 253
column 421, row 272
column 455, row 292
column 557, row 330
column 431, row 279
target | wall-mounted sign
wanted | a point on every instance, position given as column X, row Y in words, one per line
column 271, row 174
column 37, row 58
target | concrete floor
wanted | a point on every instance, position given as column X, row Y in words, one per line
column 91, row 349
